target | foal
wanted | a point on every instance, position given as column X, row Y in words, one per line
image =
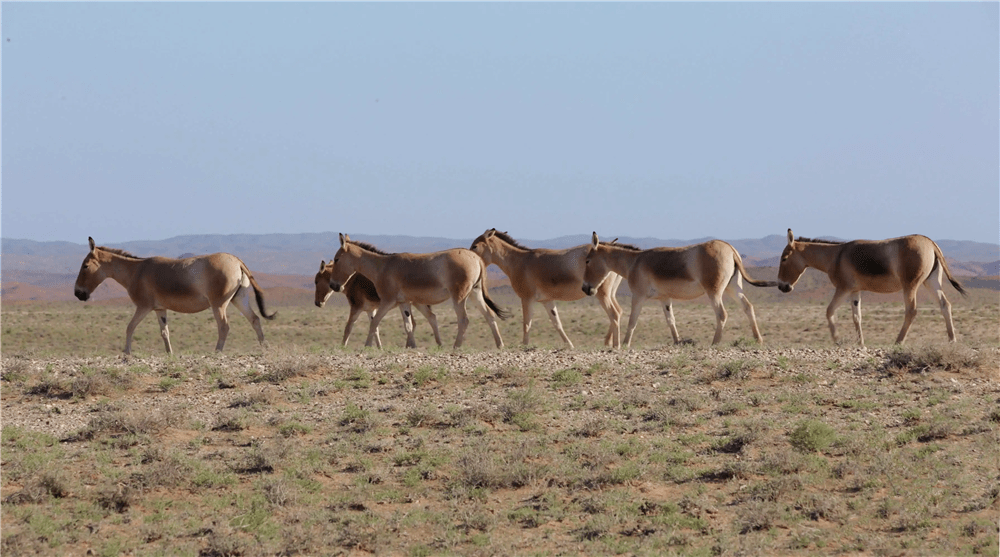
column 419, row 278
column 362, row 297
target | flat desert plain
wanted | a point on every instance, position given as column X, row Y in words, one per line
column 302, row 447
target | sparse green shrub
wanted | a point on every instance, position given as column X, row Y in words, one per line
column 356, row 419
column 915, row 359
column 812, row 436
column 521, row 407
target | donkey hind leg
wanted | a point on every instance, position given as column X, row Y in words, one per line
column 720, row 316
column 831, row 312
column 735, row 291
column 910, row 301
column 550, row 307
column 406, row 310
column 140, row 312
column 933, row 283
column 222, row 320
column 242, row 302
column 856, row 315
column 668, row 312
column 462, row 316
column 480, row 300
column 161, row 318
column 431, row 320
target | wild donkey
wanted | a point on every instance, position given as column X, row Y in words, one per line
column 668, row 273
column 884, row 266
column 182, row 285
column 544, row 276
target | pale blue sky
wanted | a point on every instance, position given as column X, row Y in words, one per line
column 143, row 121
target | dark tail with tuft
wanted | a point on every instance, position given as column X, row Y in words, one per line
column 947, row 272
column 257, row 294
column 501, row 313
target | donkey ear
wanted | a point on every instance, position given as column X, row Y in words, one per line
column 491, row 232
column 92, row 244
column 593, row 240
column 344, row 239
column 322, row 265
column 791, row 237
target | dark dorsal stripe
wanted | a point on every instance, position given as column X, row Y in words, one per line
column 628, row 247
column 817, row 241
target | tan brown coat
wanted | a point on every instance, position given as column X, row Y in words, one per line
column 425, row 278
column 183, row 285
column 884, row 266
column 667, row 274
column 362, row 297
column 546, row 275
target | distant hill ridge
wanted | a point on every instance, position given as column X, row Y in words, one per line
column 300, row 254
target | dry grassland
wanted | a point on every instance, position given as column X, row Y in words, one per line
column 798, row 447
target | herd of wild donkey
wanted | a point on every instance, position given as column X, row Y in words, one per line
column 375, row 281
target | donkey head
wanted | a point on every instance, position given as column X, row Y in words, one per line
column 792, row 264
column 91, row 273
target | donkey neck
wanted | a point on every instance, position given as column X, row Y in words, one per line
column 505, row 255
column 121, row 269
column 369, row 263
column 621, row 260
column 821, row 256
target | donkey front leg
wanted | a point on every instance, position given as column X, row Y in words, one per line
column 526, row 312
column 383, row 308
column 613, row 337
column 633, row 319
column 355, row 312
column 140, row 312
column 831, row 312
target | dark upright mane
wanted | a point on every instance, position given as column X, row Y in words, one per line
column 506, row 238
column 817, row 241
column 120, row 252
column 368, row 247
column 628, row 247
